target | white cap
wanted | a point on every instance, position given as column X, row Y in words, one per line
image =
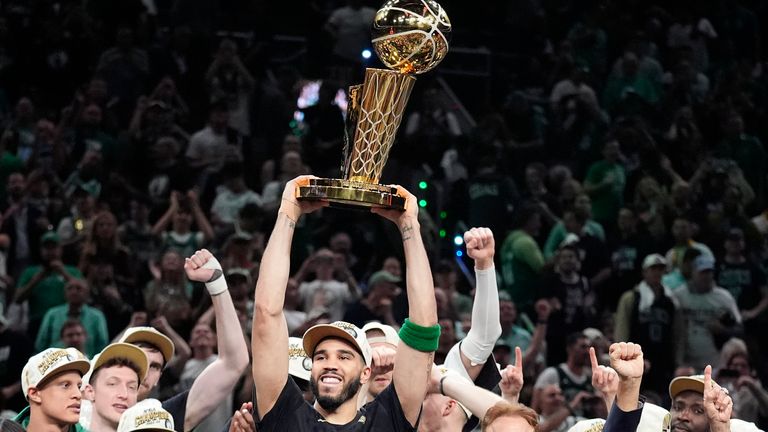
column 49, row 362
column 147, row 415
column 589, row 425
column 654, row 260
column 390, row 334
column 135, row 335
column 340, row 330
column 299, row 364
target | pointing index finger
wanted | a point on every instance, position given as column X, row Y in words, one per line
column 518, row 357
column 707, row 378
column 593, row 358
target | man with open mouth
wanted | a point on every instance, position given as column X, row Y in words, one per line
column 51, row 383
column 113, row 385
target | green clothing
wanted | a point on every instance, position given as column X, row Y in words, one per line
column 49, row 292
column 516, row 337
column 93, row 321
column 673, row 280
column 462, row 303
column 607, row 200
column 748, row 153
column 9, row 164
column 558, row 233
column 521, row 263
column 619, row 88
column 23, row 419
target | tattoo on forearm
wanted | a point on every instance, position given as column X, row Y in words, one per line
column 290, row 222
column 407, row 232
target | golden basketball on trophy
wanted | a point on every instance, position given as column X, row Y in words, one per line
column 409, row 37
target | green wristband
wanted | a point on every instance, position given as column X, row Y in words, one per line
column 424, row 339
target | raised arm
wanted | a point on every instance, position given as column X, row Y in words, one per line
column 512, row 379
column 486, row 327
column 200, row 219
column 413, row 365
column 605, row 380
column 217, row 380
column 270, row 332
column 717, row 404
column 166, row 218
column 627, row 361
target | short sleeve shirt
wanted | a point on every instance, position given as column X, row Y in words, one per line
column 292, row 413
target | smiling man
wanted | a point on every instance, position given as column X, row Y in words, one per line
column 341, row 355
column 51, row 383
column 113, row 386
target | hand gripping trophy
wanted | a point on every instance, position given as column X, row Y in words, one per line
column 410, row 37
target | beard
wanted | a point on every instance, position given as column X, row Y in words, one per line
column 331, row 403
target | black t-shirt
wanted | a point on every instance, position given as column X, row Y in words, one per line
column 177, row 407
column 626, row 256
column 292, row 413
column 15, row 350
column 578, row 311
column 744, row 281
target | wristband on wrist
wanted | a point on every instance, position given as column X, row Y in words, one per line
column 217, row 284
column 441, row 385
column 424, row 339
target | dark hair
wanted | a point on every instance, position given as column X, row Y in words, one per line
column 71, row 322
column 523, row 214
column 573, row 338
column 691, row 254
column 117, row 361
column 251, row 211
column 151, row 346
column 578, row 216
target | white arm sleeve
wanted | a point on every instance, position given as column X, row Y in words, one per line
column 486, row 327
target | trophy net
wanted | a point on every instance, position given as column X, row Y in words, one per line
column 384, row 96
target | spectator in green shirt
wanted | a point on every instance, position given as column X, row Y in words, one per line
column 583, row 206
column 521, row 257
column 94, row 323
column 748, row 152
column 42, row 286
column 605, row 184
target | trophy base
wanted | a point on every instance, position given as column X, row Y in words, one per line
column 349, row 194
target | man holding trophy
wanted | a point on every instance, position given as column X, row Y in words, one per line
column 408, row 37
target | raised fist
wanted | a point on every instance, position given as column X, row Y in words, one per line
column 480, row 247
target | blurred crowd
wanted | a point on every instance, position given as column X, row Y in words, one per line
column 619, row 160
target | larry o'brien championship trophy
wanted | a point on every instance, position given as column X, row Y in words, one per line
column 409, row 36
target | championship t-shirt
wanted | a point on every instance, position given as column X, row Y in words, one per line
column 292, row 413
